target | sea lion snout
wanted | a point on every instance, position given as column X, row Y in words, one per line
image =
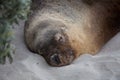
column 60, row 57
column 55, row 59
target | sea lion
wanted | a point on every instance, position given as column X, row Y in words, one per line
column 62, row 30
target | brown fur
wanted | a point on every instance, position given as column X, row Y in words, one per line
column 62, row 30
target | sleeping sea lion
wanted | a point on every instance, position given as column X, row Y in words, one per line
column 62, row 30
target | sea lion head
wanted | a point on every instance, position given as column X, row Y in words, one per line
column 58, row 52
column 53, row 44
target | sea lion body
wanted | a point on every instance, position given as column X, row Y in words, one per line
column 62, row 30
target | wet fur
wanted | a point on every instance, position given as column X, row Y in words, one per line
column 86, row 24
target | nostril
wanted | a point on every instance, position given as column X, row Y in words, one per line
column 55, row 59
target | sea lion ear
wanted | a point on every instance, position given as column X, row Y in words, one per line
column 59, row 38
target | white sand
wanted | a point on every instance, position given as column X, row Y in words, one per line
column 29, row 66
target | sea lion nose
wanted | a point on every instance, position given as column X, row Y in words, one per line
column 55, row 59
